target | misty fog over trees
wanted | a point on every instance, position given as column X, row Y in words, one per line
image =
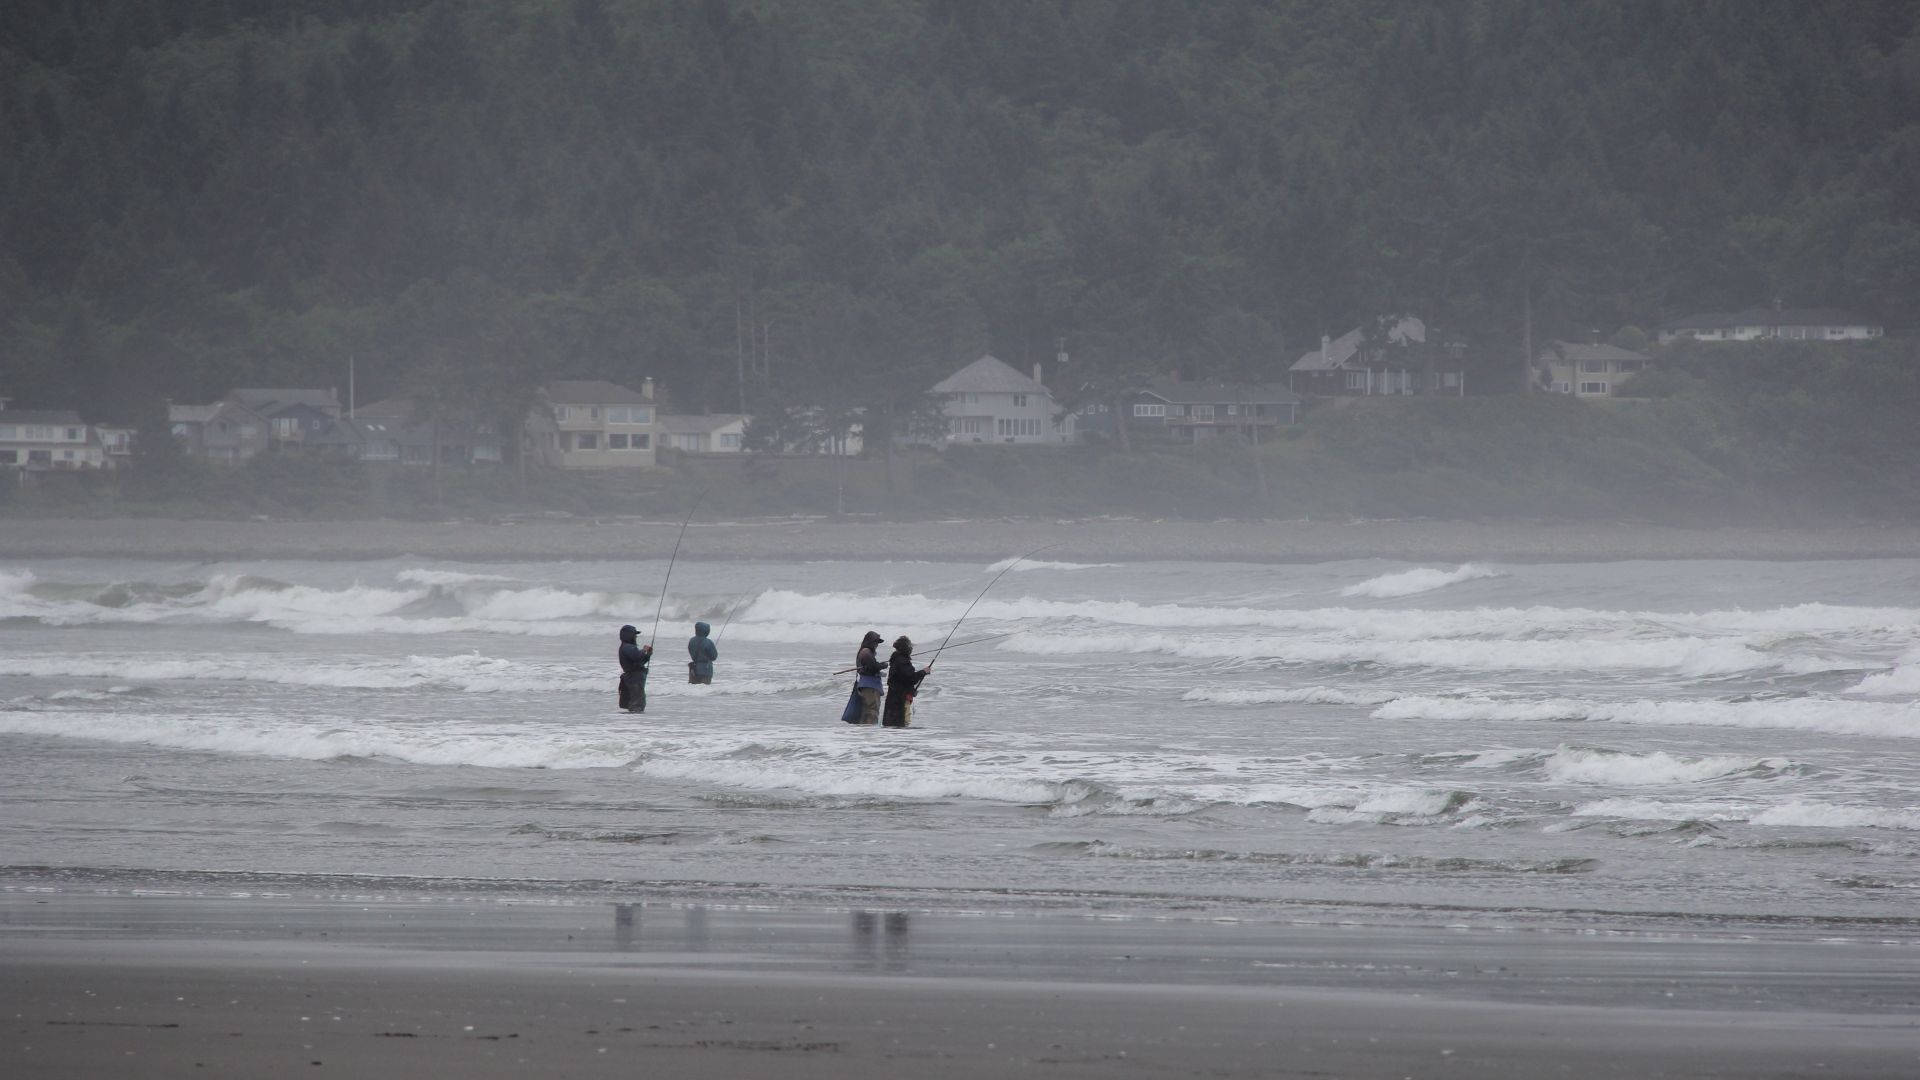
column 749, row 200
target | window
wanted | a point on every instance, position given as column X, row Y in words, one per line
column 39, row 457
column 9, row 457
column 285, row 426
column 6, row 431
column 637, row 414
column 67, row 454
column 729, row 441
column 1450, row 379
column 616, row 442
column 1019, row 401
column 73, row 434
column 1006, row 427
column 1144, row 409
column 1356, row 380
column 641, row 442
column 1202, row 412
column 1176, row 410
column 587, row 440
column 593, row 413
column 1563, row 388
column 562, row 413
column 968, row 425
column 1233, row 410
column 973, row 399
column 1593, row 367
column 1593, row 388
column 36, row 434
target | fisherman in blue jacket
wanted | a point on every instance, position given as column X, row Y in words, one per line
column 704, row 652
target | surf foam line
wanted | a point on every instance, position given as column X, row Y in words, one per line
column 1899, row 720
column 1797, row 814
column 1623, row 768
column 1423, row 580
column 1686, row 655
column 468, row 674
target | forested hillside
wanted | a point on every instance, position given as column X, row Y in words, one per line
column 765, row 199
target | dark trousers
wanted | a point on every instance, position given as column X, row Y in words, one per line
column 633, row 693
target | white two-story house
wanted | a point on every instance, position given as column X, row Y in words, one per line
column 594, row 424
column 43, row 440
column 989, row 402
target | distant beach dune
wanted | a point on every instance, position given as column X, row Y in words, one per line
column 1103, row 539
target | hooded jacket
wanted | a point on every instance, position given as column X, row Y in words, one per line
column 702, row 650
column 866, row 664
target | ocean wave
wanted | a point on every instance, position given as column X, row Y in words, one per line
column 1796, row 814
column 1358, row 860
column 1615, row 768
column 1687, row 656
column 1018, row 565
column 1300, row 695
column 1414, row 582
column 1797, row 714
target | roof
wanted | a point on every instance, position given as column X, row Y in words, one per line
column 1214, row 392
column 988, row 375
column 592, row 392
column 39, row 416
column 1722, row 320
column 266, row 402
column 393, row 408
column 700, row 425
column 191, row 414
column 1573, row 352
column 1347, row 346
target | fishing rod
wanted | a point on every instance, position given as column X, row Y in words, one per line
column 982, row 596
column 955, row 645
column 737, row 605
column 661, row 606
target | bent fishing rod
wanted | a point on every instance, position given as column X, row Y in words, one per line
column 955, row 645
column 983, row 593
column 653, row 637
column 731, row 612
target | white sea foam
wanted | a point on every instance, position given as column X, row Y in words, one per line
column 1797, row 714
column 1413, row 582
column 1901, row 680
column 1581, row 765
column 1018, row 565
column 1688, row 656
column 447, row 577
column 1303, row 695
column 1796, row 814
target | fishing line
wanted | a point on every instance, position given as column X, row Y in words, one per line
column 653, row 637
column 983, row 593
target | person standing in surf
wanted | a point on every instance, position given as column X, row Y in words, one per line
column 634, row 658
column 902, row 683
column 703, row 652
column 867, row 674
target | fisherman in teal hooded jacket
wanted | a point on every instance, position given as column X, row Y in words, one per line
column 704, row 652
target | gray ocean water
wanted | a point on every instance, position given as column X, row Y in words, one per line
column 1641, row 742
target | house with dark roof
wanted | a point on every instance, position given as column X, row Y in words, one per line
column 47, row 440
column 293, row 416
column 593, row 424
column 1195, row 411
column 225, row 432
column 398, row 430
column 717, row 433
column 1770, row 324
column 988, row 401
column 1398, row 360
column 1589, row 371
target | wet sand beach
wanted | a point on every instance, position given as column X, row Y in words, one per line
column 1093, row 539
column 165, row 986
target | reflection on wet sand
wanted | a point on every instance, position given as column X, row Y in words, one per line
column 880, row 941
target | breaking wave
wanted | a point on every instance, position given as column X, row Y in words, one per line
column 1414, row 582
column 1024, row 565
column 1298, row 695
column 1796, row 714
column 1796, row 814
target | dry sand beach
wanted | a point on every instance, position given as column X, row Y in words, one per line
column 159, row 986
column 1091, row 539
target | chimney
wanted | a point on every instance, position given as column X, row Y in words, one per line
column 646, row 388
column 1326, row 346
column 1036, row 374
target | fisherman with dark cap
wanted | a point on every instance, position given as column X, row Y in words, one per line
column 866, row 680
column 634, row 658
column 902, row 682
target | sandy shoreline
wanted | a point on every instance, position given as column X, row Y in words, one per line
column 257, row 986
column 1091, row 540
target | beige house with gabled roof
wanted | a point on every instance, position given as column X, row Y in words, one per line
column 594, row 424
column 1590, row 371
column 988, row 401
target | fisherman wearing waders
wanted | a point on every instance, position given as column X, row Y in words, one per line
column 704, row 653
column 866, row 682
column 634, row 658
column 902, row 682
